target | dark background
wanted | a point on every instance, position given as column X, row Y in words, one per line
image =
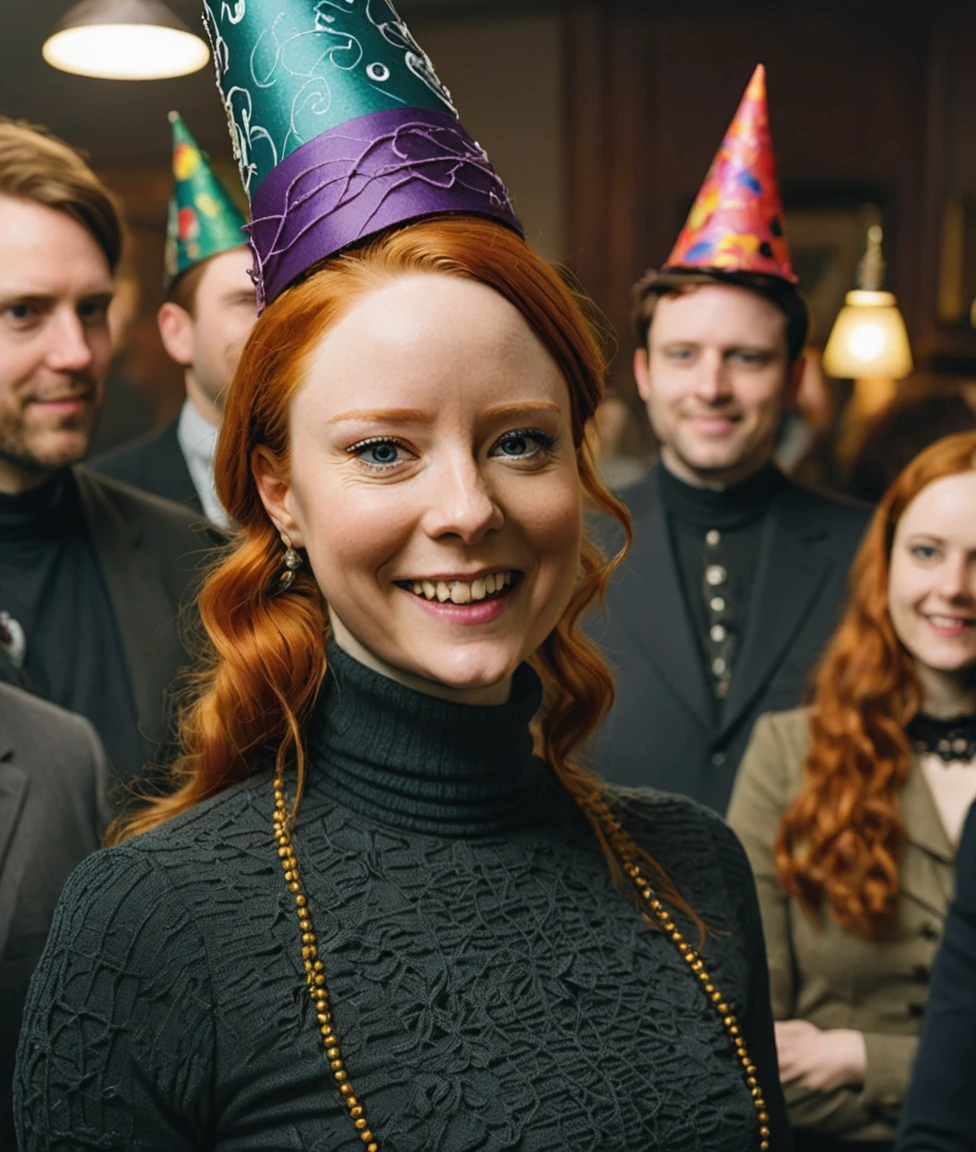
column 602, row 116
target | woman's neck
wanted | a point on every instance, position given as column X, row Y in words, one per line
column 491, row 696
column 946, row 695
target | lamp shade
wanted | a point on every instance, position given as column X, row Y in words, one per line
column 124, row 40
column 869, row 339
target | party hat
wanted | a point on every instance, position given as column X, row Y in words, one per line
column 736, row 222
column 341, row 129
column 203, row 220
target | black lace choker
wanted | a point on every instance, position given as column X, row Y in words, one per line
column 950, row 740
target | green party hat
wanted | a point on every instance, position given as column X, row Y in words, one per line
column 341, row 129
column 203, row 220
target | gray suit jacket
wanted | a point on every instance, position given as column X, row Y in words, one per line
column 53, row 810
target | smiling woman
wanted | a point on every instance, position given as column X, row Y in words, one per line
column 384, row 904
column 851, row 810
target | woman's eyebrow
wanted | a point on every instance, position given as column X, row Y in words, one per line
column 502, row 410
column 386, row 416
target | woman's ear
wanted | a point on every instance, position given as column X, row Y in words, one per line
column 274, row 488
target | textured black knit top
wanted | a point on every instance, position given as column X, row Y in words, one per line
column 491, row 988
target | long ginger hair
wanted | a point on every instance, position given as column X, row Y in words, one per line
column 265, row 656
column 840, row 842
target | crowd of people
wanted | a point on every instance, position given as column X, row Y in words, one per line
column 452, row 800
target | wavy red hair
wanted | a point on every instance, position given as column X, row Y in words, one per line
column 840, row 842
column 265, row 657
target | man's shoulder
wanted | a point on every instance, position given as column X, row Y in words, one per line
column 55, row 747
column 134, row 505
column 831, row 509
column 133, row 461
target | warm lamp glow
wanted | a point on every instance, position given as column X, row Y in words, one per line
column 868, row 339
column 124, row 40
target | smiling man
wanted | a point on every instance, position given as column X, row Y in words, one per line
column 92, row 573
column 736, row 575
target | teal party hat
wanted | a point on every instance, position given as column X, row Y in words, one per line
column 341, row 129
column 203, row 219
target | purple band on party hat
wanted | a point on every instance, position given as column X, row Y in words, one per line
column 368, row 174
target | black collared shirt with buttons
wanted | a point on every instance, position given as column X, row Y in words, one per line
column 715, row 537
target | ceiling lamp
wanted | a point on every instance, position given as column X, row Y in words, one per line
column 124, row 40
column 869, row 340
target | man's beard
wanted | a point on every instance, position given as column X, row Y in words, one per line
column 15, row 442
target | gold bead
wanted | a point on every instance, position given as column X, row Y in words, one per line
column 372, row 1147
column 335, row 1065
column 684, row 947
column 360, row 1123
column 709, row 987
column 283, row 852
column 346, row 1089
column 300, row 900
column 764, row 1146
column 332, row 1053
column 751, row 1082
column 328, row 1037
column 723, row 1009
column 716, row 996
column 340, row 1075
column 763, row 1118
column 764, row 1133
column 698, row 966
column 734, row 1030
column 750, row 1067
column 352, row 1104
column 756, row 1094
column 366, row 1137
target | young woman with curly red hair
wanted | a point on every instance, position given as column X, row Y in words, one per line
column 851, row 810
column 377, row 910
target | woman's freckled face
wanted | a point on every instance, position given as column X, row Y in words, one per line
column 932, row 581
column 433, row 480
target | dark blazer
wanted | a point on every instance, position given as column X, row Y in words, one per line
column 940, row 1106
column 151, row 553
column 53, row 811
column 155, row 463
column 662, row 729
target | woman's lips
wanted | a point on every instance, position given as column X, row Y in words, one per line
column 470, row 611
column 951, row 626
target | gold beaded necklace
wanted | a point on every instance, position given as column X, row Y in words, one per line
column 650, row 903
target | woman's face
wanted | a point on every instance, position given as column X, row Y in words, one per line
column 433, row 480
column 932, row 581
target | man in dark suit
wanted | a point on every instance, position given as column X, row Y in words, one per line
column 204, row 322
column 736, row 575
column 54, row 809
column 939, row 1113
column 93, row 574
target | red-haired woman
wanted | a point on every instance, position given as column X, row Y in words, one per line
column 380, row 910
column 850, row 811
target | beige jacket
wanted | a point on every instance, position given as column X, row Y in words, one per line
column 822, row 973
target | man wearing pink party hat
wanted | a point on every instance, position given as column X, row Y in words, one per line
column 736, row 575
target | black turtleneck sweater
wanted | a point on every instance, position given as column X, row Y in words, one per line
column 491, row 988
column 51, row 586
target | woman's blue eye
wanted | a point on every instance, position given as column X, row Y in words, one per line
column 379, row 453
column 923, row 551
column 523, row 445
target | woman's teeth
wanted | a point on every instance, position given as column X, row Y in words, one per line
column 950, row 622
column 461, row 591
